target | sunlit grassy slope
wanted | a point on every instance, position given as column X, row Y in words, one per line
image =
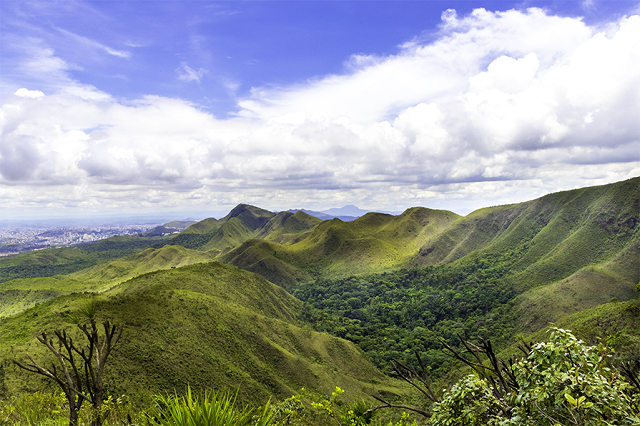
column 148, row 260
column 287, row 227
column 98, row 266
column 374, row 242
column 615, row 321
column 206, row 325
column 17, row 295
column 543, row 241
column 243, row 223
column 558, row 234
column 557, row 249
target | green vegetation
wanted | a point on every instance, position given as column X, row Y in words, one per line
column 200, row 325
column 368, row 292
column 78, row 370
column 561, row 381
column 208, row 409
column 375, row 242
column 50, row 409
column 51, row 262
column 20, row 294
column 393, row 315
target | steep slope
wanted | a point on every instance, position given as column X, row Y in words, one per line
column 241, row 224
column 148, row 260
column 22, row 293
column 207, row 325
column 287, row 227
column 587, row 288
column 372, row 243
column 565, row 252
column 555, row 235
column 205, row 226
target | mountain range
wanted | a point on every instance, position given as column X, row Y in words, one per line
column 212, row 305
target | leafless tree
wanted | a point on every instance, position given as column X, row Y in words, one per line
column 77, row 369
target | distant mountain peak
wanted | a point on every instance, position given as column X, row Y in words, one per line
column 352, row 210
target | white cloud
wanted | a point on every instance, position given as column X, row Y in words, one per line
column 186, row 73
column 95, row 44
column 514, row 104
column 44, row 68
column 26, row 93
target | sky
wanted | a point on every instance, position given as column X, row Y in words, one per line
column 140, row 107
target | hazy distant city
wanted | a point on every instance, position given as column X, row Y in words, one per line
column 20, row 239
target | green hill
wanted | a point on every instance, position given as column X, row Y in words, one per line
column 496, row 273
column 374, row 242
column 565, row 252
column 20, row 294
column 50, row 262
column 287, row 227
column 23, row 293
column 148, row 260
column 206, row 325
column 388, row 283
column 558, row 233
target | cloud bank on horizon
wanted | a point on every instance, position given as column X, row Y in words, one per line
column 494, row 107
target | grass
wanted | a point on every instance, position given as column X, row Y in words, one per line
column 373, row 243
column 616, row 323
column 50, row 409
column 20, row 294
column 51, row 262
column 148, row 260
column 204, row 325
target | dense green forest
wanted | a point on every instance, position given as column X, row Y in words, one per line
column 393, row 315
column 265, row 304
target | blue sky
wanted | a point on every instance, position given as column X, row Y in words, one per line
column 134, row 106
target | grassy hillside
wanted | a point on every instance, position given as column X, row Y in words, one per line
column 374, row 242
column 23, row 293
column 148, row 260
column 50, row 262
column 387, row 283
column 287, row 227
column 207, row 325
column 590, row 286
column 565, row 252
column 557, row 234
column 20, row 294
column 618, row 322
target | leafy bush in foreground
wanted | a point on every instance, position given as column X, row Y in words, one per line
column 559, row 382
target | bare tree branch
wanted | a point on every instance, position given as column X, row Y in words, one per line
column 81, row 368
column 386, row 404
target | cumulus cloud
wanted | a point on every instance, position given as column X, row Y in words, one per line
column 514, row 104
column 26, row 93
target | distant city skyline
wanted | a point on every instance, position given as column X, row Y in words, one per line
column 164, row 107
